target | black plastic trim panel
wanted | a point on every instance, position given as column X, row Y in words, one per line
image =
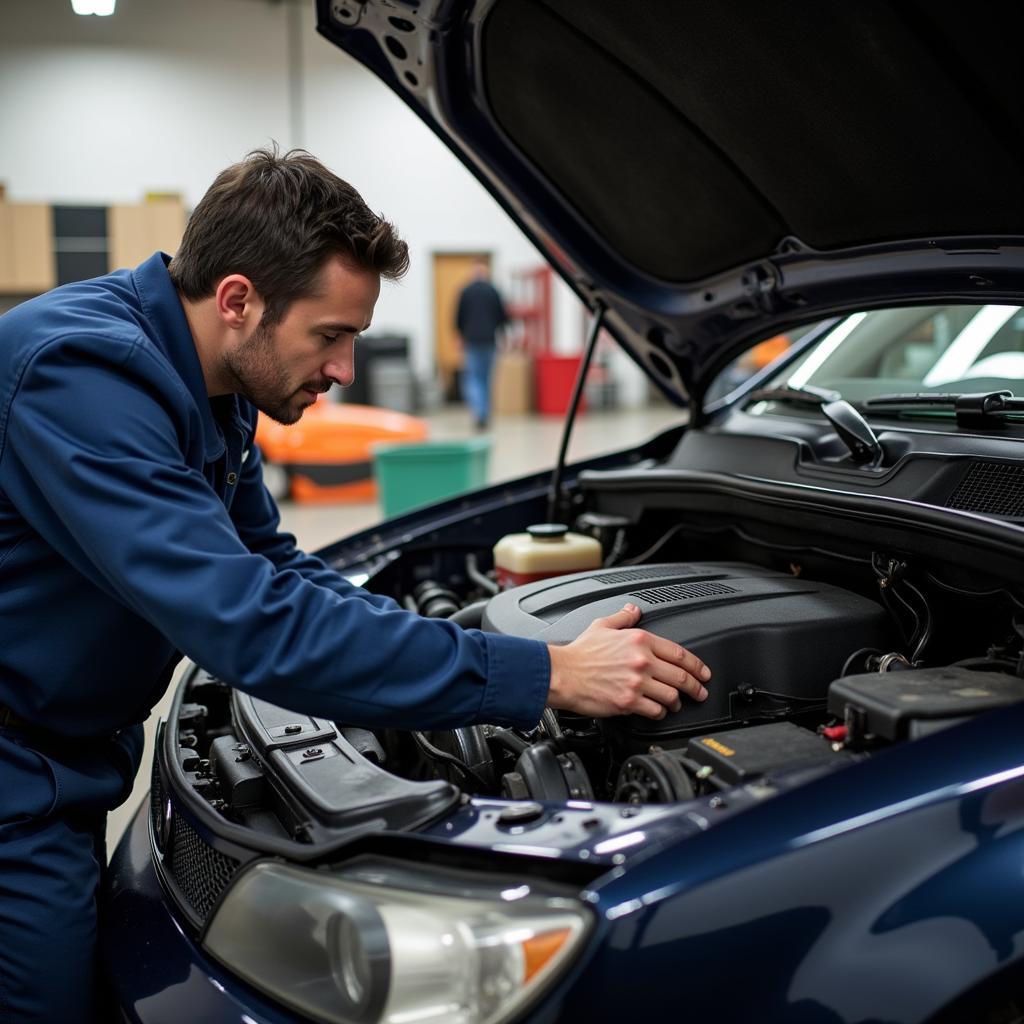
column 969, row 539
column 920, row 466
column 320, row 771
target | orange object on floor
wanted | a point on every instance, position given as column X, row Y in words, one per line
column 326, row 455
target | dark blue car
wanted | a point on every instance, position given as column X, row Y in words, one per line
column 837, row 833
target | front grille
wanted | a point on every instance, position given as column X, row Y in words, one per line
column 995, row 488
column 200, row 872
column 682, row 592
column 628, row 575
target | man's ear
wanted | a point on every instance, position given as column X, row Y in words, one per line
column 237, row 302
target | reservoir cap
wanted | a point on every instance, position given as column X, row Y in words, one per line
column 547, row 531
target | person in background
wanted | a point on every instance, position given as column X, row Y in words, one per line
column 481, row 313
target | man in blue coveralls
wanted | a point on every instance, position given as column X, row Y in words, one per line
column 134, row 525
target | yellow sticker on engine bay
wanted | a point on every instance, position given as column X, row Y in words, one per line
column 720, row 747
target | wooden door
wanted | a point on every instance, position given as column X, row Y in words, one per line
column 452, row 272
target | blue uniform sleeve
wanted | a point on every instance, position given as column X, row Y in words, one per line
column 258, row 522
column 93, row 457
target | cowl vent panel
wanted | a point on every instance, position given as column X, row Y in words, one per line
column 994, row 488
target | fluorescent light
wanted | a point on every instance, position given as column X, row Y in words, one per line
column 102, row 8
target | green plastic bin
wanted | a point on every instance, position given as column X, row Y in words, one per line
column 415, row 474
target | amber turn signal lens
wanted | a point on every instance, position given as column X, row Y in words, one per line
column 540, row 949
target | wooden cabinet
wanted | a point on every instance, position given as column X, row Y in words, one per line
column 136, row 232
column 39, row 250
column 27, row 263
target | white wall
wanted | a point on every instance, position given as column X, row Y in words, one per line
column 161, row 95
column 166, row 93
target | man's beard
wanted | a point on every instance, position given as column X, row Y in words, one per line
column 260, row 377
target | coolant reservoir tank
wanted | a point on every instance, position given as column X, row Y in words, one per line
column 547, row 549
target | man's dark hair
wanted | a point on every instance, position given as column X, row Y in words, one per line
column 277, row 219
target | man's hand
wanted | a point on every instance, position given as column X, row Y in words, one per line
column 612, row 669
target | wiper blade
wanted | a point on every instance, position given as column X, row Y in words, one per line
column 806, row 395
column 853, row 430
column 990, row 400
column 980, row 409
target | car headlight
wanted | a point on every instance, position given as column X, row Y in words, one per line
column 379, row 943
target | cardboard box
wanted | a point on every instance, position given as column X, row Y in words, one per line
column 27, row 264
column 512, row 383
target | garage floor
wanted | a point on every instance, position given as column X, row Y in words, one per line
column 521, row 444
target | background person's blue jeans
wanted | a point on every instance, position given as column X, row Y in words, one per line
column 476, row 381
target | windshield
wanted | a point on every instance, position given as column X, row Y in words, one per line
column 923, row 348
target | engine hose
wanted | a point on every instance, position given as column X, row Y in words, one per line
column 479, row 578
column 916, row 631
column 926, row 632
column 510, row 741
column 618, row 547
column 435, row 601
column 471, row 616
column 549, row 720
column 437, row 754
column 865, row 653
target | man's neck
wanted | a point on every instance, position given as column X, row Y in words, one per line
column 204, row 325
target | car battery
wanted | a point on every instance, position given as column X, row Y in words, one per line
column 742, row 755
column 908, row 704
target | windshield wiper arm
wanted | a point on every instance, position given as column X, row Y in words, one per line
column 980, row 409
column 853, row 430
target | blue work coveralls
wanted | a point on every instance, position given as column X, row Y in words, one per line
column 134, row 525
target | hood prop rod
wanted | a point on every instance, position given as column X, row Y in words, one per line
column 555, row 491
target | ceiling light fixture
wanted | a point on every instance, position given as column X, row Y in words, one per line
column 101, row 8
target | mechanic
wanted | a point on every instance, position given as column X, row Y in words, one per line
column 134, row 528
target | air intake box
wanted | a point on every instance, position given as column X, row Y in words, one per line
column 909, row 704
column 773, row 642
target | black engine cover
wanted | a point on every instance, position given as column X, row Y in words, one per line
column 773, row 642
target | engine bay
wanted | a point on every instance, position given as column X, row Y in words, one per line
column 807, row 674
column 820, row 658
column 836, row 624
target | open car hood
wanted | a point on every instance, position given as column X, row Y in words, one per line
column 713, row 173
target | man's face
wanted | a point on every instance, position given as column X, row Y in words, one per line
column 282, row 369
